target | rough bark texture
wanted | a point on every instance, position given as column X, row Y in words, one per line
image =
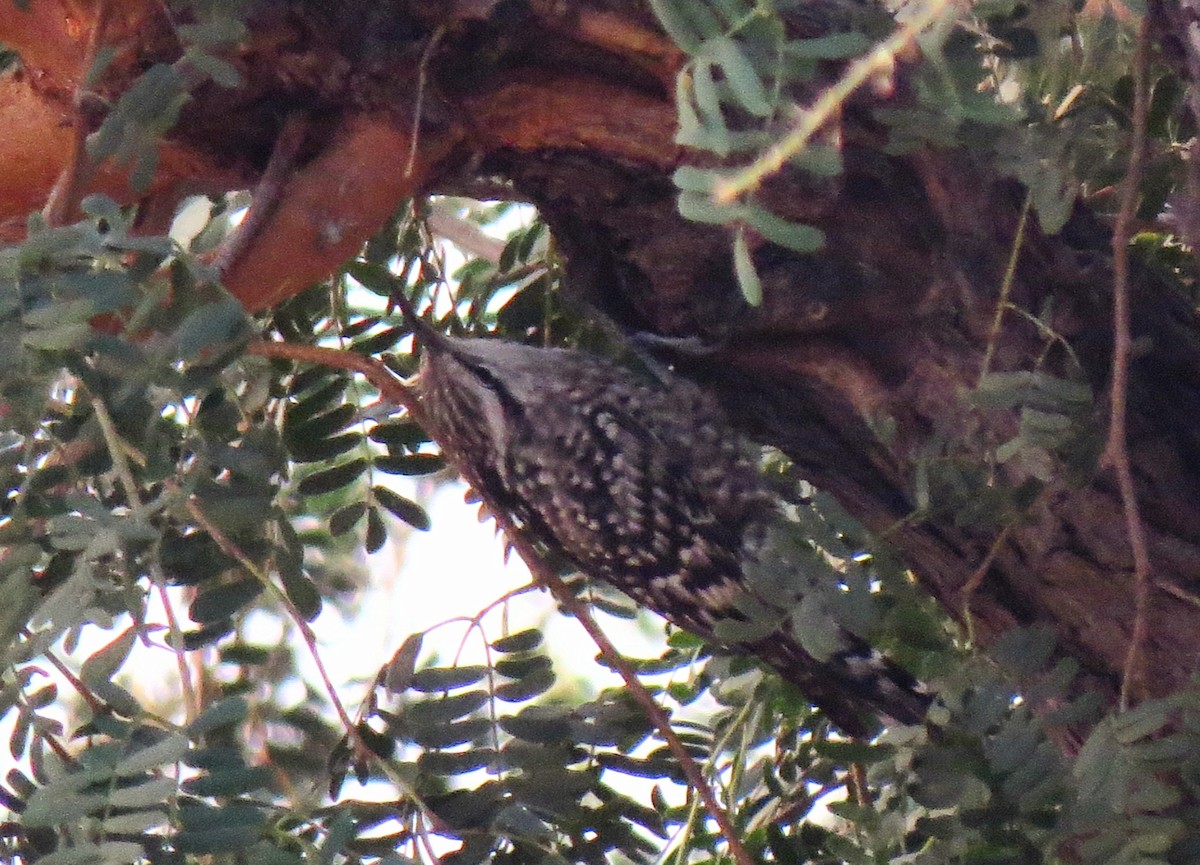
column 571, row 102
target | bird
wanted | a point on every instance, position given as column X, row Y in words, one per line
column 641, row 482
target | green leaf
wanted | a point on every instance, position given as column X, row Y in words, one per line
column 444, row 709
column 690, row 178
column 135, row 822
column 537, row 724
column 402, row 666
column 323, row 450
column 410, row 464
column 747, row 274
column 168, row 750
column 223, row 73
column 519, row 822
column 229, row 782
column 54, row 805
column 302, row 428
column 399, row 435
column 790, row 235
column 522, row 641
column 376, row 531
column 382, row 341
column 57, row 338
column 343, row 520
column 449, row 735
column 335, row 478
column 339, row 833
column 1141, row 721
column 101, row 666
column 700, row 207
column 310, row 403
column 194, row 815
column 223, row 601
column 678, row 25
column 192, row 559
column 220, row 714
column 210, row 329
column 846, row 753
column 1023, row 651
column 708, row 101
column 527, row 687
column 404, row 509
column 449, row 763
column 516, row 668
column 374, row 277
column 302, row 592
column 153, row 792
column 747, row 88
column 447, row 678
column 835, row 46
column 229, row 839
column 639, row 768
column 379, row 744
column 215, row 757
column 467, row 809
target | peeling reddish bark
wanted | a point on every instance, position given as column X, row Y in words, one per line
column 327, row 212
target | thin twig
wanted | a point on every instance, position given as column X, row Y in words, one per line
column 116, row 449
column 68, row 189
column 856, row 785
column 376, row 372
column 93, row 702
column 881, row 59
column 976, row 580
column 1010, row 273
column 1116, row 452
column 268, row 192
column 58, row 748
column 419, row 106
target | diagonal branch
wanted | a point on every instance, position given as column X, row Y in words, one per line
column 1116, row 448
column 68, row 190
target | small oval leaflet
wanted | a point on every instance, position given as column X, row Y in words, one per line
column 328, row 480
column 447, row 678
column 221, row 602
column 455, row 762
column 402, row 666
column 527, row 687
column 444, row 709
column 522, row 641
column 228, row 782
column 517, row 668
column 410, row 464
column 231, row 710
column 376, row 531
column 168, row 750
column 402, row 508
column 455, row 733
column 345, row 519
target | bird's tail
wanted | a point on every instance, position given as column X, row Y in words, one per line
column 857, row 687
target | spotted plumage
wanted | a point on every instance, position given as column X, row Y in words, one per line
column 639, row 483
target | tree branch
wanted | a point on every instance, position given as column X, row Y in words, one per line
column 1116, row 449
column 68, row 190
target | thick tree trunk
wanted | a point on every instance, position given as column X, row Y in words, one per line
column 858, row 365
